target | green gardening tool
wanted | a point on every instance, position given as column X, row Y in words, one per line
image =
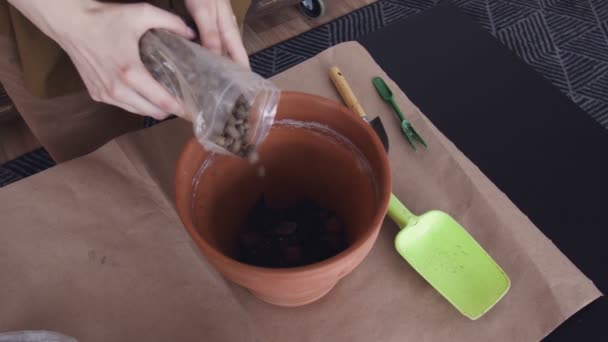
column 444, row 254
column 406, row 127
column 448, row 257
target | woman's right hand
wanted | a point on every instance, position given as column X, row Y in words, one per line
column 102, row 39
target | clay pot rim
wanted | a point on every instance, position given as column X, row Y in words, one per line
column 215, row 256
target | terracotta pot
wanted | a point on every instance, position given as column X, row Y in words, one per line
column 214, row 194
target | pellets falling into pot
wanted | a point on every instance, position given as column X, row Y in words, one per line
column 252, row 155
column 261, row 172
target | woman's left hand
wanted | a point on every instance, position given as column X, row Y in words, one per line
column 218, row 28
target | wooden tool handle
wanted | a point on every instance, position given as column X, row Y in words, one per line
column 347, row 94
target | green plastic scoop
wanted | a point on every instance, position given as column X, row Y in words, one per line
column 444, row 254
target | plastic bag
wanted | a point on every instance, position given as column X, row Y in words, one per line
column 232, row 108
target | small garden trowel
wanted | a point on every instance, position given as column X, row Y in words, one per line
column 351, row 101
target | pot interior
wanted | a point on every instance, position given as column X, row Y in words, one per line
column 315, row 155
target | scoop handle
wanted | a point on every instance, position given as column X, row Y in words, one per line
column 346, row 92
column 399, row 213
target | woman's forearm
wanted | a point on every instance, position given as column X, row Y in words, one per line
column 53, row 17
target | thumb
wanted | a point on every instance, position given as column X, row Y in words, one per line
column 154, row 17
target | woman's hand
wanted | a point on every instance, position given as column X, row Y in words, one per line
column 218, row 28
column 102, row 39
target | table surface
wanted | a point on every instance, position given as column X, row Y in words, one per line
column 535, row 144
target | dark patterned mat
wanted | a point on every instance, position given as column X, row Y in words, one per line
column 564, row 40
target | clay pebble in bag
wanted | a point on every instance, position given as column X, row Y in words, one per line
column 232, row 108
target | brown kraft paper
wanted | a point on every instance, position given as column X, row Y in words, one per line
column 94, row 249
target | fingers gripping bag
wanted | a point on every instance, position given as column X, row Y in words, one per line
column 232, row 108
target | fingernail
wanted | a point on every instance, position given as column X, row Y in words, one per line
column 191, row 33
